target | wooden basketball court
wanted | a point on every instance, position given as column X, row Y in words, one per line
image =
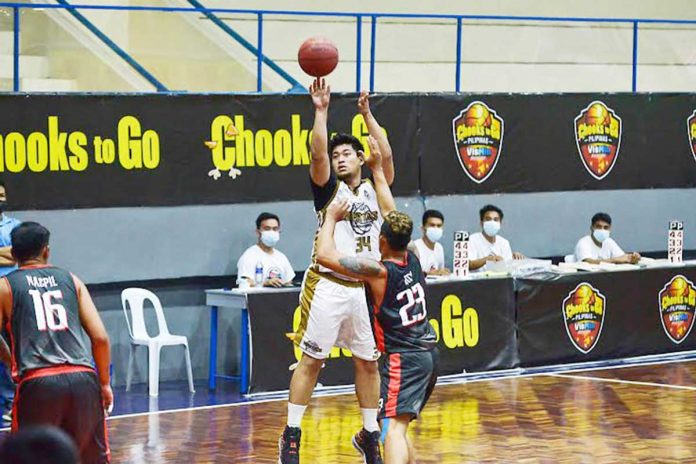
column 643, row 413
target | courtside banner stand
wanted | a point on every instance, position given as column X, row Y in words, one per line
column 474, row 321
column 93, row 151
column 605, row 315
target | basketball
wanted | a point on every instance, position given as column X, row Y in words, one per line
column 317, row 56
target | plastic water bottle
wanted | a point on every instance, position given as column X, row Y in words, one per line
column 258, row 273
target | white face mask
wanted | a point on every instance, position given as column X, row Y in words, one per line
column 270, row 237
column 434, row 234
column 601, row 234
column 491, row 228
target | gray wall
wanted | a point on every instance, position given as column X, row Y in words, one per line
column 127, row 244
column 132, row 244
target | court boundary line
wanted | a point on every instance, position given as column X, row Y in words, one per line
column 622, row 381
column 556, row 370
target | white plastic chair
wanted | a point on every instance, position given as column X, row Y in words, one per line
column 569, row 258
column 134, row 298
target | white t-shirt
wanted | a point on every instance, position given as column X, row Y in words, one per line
column 479, row 248
column 586, row 248
column 430, row 259
column 275, row 264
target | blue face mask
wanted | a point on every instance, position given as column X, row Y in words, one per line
column 601, row 234
column 491, row 228
column 434, row 234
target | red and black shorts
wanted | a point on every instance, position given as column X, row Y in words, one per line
column 69, row 398
column 407, row 380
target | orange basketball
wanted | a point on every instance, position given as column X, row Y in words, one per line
column 317, row 56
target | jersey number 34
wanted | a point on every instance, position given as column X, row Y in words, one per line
column 413, row 310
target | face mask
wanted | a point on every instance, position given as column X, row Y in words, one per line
column 600, row 234
column 3, row 206
column 491, row 228
column 434, row 234
column 270, row 237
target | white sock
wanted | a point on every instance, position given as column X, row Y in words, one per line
column 295, row 413
column 370, row 419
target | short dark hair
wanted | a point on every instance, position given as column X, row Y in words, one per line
column 264, row 216
column 39, row 445
column 432, row 213
column 345, row 139
column 396, row 229
column 601, row 217
column 489, row 208
column 28, row 239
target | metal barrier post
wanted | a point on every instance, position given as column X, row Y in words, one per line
column 259, row 54
column 358, row 53
column 458, row 77
column 373, row 38
column 15, row 80
column 635, row 57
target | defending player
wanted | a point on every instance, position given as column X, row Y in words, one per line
column 48, row 310
column 396, row 290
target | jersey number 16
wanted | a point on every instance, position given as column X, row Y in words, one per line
column 49, row 315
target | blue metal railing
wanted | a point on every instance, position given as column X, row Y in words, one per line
column 211, row 14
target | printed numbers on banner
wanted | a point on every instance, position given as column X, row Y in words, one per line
column 414, row 296
column 47, row 311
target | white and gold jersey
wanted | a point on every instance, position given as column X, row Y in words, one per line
column 358, row 234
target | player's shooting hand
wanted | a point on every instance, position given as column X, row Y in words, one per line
column 107, row 398
column 518, row 255
column 633, row 258
column 364, row 103
column 374, row 161
column 338, row 210
column 321, row 93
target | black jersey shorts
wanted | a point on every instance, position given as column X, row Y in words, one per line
column 407, row 380
column 71, row 401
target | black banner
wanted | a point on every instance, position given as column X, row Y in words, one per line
column 474, row 321
column 78, row 151
column 586, row 317
column 101, row 151
column 530, row 143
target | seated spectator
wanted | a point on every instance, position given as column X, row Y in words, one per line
column 39, row 445
column 488, row 245
column 430, row 252
column 276, row 270
column 598, row 247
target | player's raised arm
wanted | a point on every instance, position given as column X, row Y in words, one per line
column 367, row 270
column 385, row 199
column 376, row 131
column 320, row 165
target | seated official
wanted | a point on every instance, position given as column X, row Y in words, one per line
column 488, row 245
column 598, row 247
column 277, row 271
column 430, row 252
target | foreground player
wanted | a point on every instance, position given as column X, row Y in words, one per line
column 334, row 310
column 396, row 289
column 47, row 310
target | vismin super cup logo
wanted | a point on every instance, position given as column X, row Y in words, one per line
column 478, row 139
column 677, row 302
column 691, row 127
column 583, row 312
column 598, row 138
